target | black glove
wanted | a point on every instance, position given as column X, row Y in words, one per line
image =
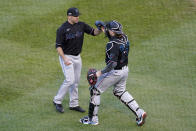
column 99, row 24
column 92, row 77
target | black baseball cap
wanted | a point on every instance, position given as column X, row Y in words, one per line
column 73, row 12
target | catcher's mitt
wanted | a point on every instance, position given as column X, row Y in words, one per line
column 91, row 76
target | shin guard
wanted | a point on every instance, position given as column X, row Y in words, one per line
column 94, row 104
column 128, row 100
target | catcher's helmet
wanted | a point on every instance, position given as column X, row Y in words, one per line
column 114, row 26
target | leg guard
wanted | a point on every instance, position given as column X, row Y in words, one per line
column 128, row 100
column 94, row 104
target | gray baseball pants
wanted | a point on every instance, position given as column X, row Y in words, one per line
column 116, row 78
column 72, row 77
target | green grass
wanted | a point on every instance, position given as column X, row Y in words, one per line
column 162, row 64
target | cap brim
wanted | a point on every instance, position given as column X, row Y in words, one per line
column 76, row 15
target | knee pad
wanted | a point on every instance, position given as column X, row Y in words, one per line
column 94, row 91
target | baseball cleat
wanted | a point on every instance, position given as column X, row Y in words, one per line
column 59, row 107
column 141, row 120
column 85, row 120
column 77, row 108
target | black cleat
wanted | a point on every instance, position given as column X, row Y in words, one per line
column 77, row 108
column 59, row 107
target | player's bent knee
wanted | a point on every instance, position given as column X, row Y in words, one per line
column 118, row 93
column 95, row 96
column 124, row 96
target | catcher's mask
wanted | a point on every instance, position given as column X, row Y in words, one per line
column 114, row 26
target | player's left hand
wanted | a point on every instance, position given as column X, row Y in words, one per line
column 92, row 77
column 99, row 24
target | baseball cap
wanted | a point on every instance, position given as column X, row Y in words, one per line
column 73, row 12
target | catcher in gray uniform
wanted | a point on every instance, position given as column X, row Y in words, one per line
column 114, row 74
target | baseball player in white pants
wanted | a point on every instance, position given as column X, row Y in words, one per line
column 114, row 74
column 72, row 74
column 69, row 42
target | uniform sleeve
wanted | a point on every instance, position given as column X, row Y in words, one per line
column 59, row 38
column 88, row 29
column 111, row 65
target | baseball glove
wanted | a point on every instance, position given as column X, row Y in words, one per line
column 91, row 76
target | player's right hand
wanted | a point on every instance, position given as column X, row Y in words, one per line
column 67, row 62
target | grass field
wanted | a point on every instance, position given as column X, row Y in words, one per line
column 162, row 64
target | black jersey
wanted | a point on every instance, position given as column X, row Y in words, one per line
column 117, row 50
column 70, row 37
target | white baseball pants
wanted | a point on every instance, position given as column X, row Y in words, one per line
column 72, row 77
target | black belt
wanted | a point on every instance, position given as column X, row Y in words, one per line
column 119, row 68
column 71, row 54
